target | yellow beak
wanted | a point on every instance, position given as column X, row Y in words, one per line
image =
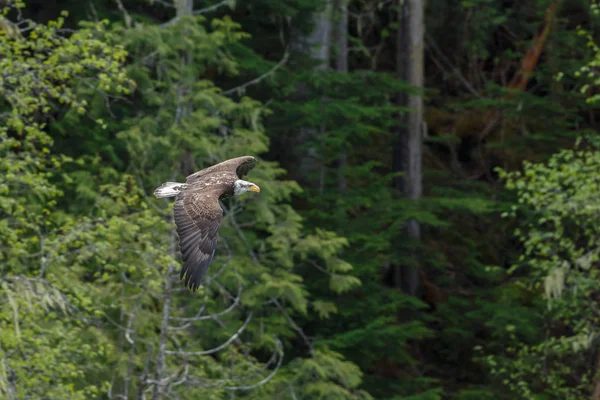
column 254, row 188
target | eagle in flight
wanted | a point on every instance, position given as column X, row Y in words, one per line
column 198, row 214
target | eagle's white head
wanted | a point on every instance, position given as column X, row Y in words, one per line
column 240, row 187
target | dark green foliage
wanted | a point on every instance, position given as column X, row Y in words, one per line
column 95, row 115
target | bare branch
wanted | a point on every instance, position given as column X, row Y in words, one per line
column 126, row 15
column 200, row 317
column 453, row 68
column 221, row 383
column 197, row 12
column 158, row 390
column 279, row 348
column 131, row 354
column 211, row 8
column 295, row 326
column 272, row 300
column 214, row 349
column 259, row 79
column 164, row 3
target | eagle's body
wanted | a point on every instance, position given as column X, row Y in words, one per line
column 198, row 214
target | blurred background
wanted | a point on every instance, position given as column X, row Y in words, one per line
column 427, row 226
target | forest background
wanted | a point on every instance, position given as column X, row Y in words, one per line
column 427, row 225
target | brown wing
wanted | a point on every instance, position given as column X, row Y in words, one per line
column 239, row 166
column 244, row 165
column 197, row 216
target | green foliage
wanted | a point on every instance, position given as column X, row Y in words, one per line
column 90, row 305
column 312, row 374
column 588, row 70
column 560, row 240
column 352, row 115
column 298, row 302
column 48, row 347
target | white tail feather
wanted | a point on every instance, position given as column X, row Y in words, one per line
column 169, row 189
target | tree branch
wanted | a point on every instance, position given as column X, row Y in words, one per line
column 241, row 88
column 214, row 349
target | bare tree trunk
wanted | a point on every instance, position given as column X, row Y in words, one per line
column 317, row 46
column 184, row 8
column 159, row 385
column 407, row 152
column 318, row 42
column 596, row 394
column 341, row 65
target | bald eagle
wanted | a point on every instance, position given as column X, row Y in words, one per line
column 198, row 214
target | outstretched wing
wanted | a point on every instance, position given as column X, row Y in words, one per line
column 239, row 166
column 197, row 216
column 244, row 165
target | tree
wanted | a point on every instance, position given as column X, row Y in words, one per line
column 557, row 199
column 193, row 122
column 300, row 300
column 46, row 314
column 407, row 158
column 115, row 321
column 341, row 65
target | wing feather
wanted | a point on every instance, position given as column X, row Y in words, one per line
column 244, row 166
column 197, row 217
column 239, row 166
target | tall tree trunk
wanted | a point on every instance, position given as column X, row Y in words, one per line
column 341, row 65
column 320, row 41
column 184, row 8
column 317, row 43
column 316, row 46
column 407, row 152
